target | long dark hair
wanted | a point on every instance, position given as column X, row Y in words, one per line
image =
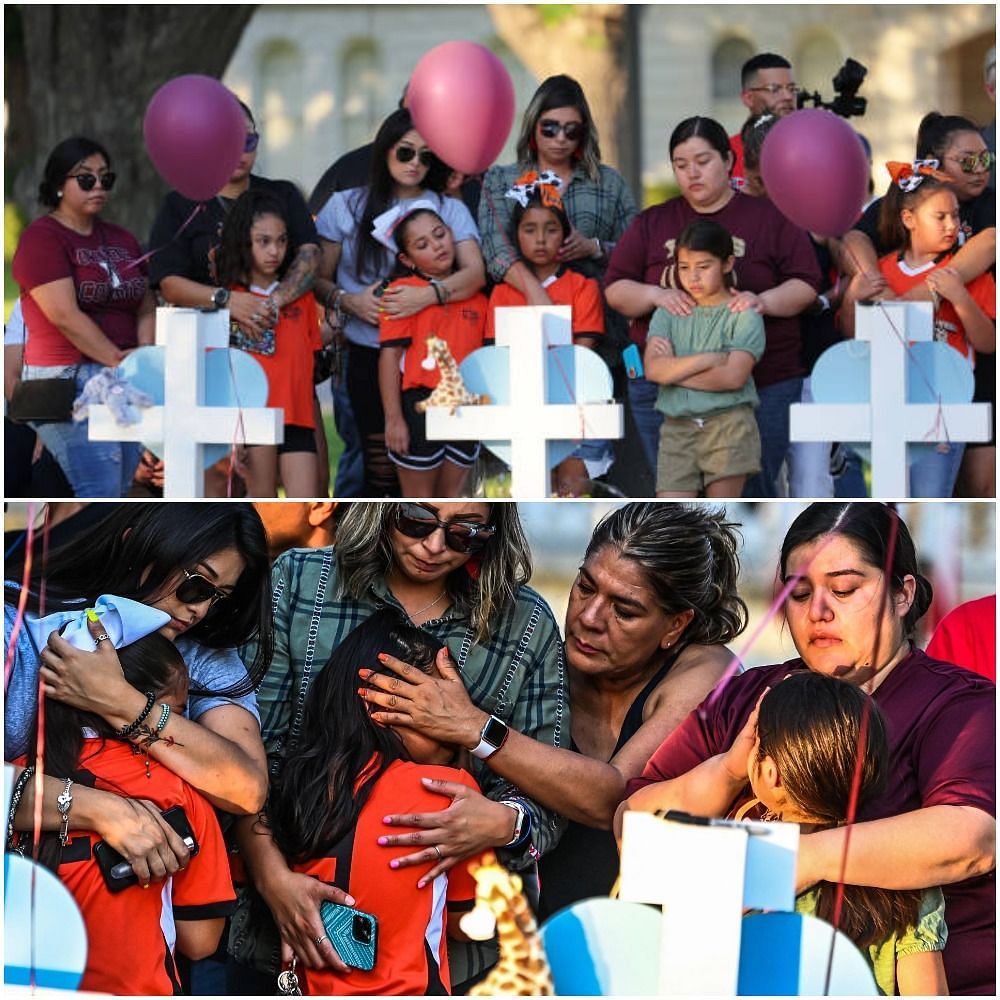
column 936, row 131
column 535, row 201
column 63, row 158
column 138, row 547
column 708, row 236
column 870, row 526
column 810, row 726
column 700, row 127
column 341, row 753
column 891, row 231
column 234, row 258
column 152, row 663
column 370, row 256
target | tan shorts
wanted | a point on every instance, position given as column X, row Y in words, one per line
column 697, row 451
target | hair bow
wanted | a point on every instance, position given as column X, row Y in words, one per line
column 546, row 184
column 909, row 176
column 123, row 620
column 384, row 225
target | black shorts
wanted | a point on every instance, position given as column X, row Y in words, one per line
column 298, row 438
column 986, row 392
column 424, row 455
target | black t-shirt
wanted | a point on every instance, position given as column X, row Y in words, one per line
column 187, row 255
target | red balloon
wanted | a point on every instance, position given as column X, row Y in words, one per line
column 815, row 170
column 195, row 131
column 462, row 101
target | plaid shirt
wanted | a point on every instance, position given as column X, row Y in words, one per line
column 602, row 210
column 518, row 676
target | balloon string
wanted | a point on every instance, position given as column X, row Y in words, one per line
column 22, row 599
column 200, row 207
column 239, row 431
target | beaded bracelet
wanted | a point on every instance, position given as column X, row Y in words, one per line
column 126, row 731
column 15, row 798
column 161, row 725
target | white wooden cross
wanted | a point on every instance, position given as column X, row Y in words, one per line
column 528, row 421
column 185, row 424
column 888, row 421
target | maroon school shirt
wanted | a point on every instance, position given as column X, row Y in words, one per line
column 941, row 726
column 769, row 251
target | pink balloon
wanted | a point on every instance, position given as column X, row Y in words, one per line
column 462, row 101
column 815, row 170
column 195, row 130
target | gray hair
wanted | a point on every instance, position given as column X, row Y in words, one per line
column 689, row 555
column 364, row 555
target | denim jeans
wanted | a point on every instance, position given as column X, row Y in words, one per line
column 93, row 468
column 935, row 472
column 809, row 463
column 773, row 423
column 350, row 478
column 642, row 402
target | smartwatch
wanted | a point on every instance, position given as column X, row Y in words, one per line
column 824, row 303
column 220, row 298
column 492, row 736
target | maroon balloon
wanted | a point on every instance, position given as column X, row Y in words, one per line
column 816, row 171
column 195, row 131
column 462, row 101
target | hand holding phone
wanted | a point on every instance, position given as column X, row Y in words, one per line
column 117, row 872
column 353, row 933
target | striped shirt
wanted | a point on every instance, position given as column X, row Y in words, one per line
column 601, row 209
column 518, row 675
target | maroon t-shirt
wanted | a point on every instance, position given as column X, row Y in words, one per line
column 108, row 290
column 941, row 725
column 769, row 251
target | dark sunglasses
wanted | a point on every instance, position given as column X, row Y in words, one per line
column 195, row 589
column 573, row 131
column 415, row 521
column 88, row 182
column 251, row 142
column 406, row 153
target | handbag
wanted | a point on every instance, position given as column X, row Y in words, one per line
column 43, row 400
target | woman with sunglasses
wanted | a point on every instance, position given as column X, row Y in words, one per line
column 86, row 304
column 354, row 274
column 459, row 571
column 206, row 565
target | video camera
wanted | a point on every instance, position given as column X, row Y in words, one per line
column 846, row 84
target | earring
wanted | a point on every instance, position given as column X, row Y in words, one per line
column 59, row 193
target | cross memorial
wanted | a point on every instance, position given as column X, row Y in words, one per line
column 185, row 423
column 524, row 334
column 887, row 420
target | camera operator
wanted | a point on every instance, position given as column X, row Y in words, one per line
column 767, row 87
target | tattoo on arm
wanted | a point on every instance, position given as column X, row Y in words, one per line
column 300, row 276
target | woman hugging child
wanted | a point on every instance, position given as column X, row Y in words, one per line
column 540, row 226
column 407, row 376
column 253, row 256
column 709, row 440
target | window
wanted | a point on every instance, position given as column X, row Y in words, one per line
column 728, row 58
column 278, row 107
column 817, row 59
column 364, row 102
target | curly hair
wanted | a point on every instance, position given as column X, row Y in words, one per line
column 234, row 258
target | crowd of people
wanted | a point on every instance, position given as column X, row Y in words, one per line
column 730, row 302
column 347, row 702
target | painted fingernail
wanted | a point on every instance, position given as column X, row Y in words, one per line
column 393, row 864
column 382, row 841
column 382, row 657
column 92, row 615
column 365, row 673
column 422, row 883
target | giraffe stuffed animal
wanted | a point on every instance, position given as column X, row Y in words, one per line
column 450, row 391
column 522, row 970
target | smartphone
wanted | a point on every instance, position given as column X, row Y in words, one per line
column 633, row 362
column 382, row 286
column 352, row 932
column 117, row 872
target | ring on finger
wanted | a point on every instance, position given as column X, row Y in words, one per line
column 319, row 941
column 437, row 851
column 102, row 637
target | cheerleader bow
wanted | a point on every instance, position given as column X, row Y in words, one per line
column 909, row 176
column 122, row 620
column 546, row 185
column 384, row 225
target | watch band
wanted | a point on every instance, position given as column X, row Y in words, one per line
column 522, row 825
column 487, row 747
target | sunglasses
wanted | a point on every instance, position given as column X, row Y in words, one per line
column 195, row 589
column 251, row 142
column 415, row 521
column 573, row 131
column 974, row 162
column 88, row 182
column 406, row 153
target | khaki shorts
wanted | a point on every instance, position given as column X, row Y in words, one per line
column 697, row 451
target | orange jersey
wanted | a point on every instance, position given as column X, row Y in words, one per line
column 412, row 951
column 947, row 326
column 460, row 324
column 568, row 288
column 131, row 934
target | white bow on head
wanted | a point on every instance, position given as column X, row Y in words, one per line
column 124, row 620
column 384, row 225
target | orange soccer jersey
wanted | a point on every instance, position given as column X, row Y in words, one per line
column 460, row 324
column 412, row 950
column 565, row 288
column 131, row 934
column 947, row 325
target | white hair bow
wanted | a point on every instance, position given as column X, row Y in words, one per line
column 123, row 620
column 384, row 225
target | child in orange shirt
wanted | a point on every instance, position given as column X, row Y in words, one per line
column 424, row 244
column 539, row 227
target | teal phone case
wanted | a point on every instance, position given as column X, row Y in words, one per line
column 346, row 928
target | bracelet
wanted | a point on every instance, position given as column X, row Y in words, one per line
column 522, row 825
column 600, row 250
column 15, row 798
column 128, row 730
column 161, row 725
column 64, row 803
column 440, row 291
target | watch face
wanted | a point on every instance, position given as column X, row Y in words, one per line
column 494, row 732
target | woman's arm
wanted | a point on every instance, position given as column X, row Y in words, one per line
column 975, row 257
column 326, row 270
column 979, row 329
column 401, row 301
column 634, row 299
column 244, row 307
column 789, row 298
column 57, row 300
column 146, row 320
column 397, row 434
column 937, row 845
column 199, row 938
column 300, row 276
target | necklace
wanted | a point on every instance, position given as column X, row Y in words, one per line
column 413, row 614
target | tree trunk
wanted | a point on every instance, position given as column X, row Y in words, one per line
column 592, row 43
column 91, row 70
